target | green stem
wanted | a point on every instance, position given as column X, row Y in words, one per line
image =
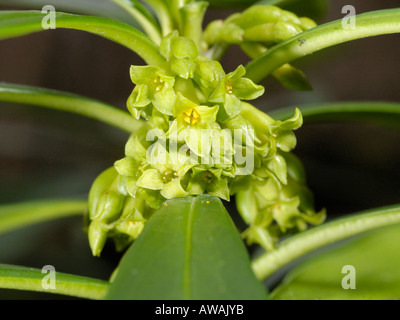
column 317, row 237
column 344, row 111
column 21, row 278
column 14, row 216
column 164, row 15
column 327, row 35
column 192, row 17
column 151, row 30
column 71, row 103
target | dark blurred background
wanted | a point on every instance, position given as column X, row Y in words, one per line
column 48, row 154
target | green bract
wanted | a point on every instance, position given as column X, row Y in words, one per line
column 201, row 137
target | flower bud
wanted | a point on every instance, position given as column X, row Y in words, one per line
column 257, row 15
column 97, row 236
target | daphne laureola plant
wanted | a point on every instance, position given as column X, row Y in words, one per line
column 195, row 138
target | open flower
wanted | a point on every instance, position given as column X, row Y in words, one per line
column 208, row 180
column 233, row 88
column 153, row 85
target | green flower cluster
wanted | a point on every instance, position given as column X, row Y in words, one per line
column 261, row 24
column 199, row 137
column 257, row 29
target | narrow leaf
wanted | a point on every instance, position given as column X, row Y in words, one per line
column 143, row 17
column 368, row 24
column 14, row 216
column 19, row 23
column 69, row 102
column 381, row 112
column 190, row 249
column 21, row 278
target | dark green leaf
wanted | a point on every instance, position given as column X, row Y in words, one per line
column 190, row 249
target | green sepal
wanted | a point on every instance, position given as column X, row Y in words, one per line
column 292, row 78
column 286, row 140
column 143, row 74
column 97, row 234
column 126, row 167
column 208, row 73
column 307, row 23
column 150, row 179
column 184, row 67
column 219, row 188
column 258, row 14
column 134, row 149
column 99, row 187
column 182, row 47
column 165, row 45
column 277, row 165
column 173, row 189
column 261, row 236
column 164, row 100
column 246, row 89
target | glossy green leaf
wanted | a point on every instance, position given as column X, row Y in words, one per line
column 368, row 24
column 376, row 261
column 18, row 215
column 19, row 23
column 69, row 102
column 381, row 112
column 190, row 249
column 22, row 278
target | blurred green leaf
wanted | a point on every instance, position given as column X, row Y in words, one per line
column 69, row 102
column 375, row 258
column 103, row 8
column 377, row 112
column 19, row 23
column 317, row 237
column 18, row 215
column 190, row 249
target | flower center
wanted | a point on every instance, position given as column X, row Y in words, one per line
column 228, row 88
column 158, row 83
column 191, row 116
column 169, row 175
column 208, row 177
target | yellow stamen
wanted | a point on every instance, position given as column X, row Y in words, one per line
column 191, row 116
column 228, row 88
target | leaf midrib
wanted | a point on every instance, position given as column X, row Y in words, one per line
column 188, row 252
